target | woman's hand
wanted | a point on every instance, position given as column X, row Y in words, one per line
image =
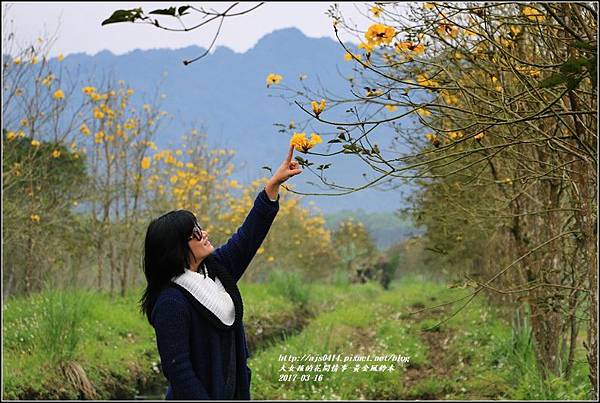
column 286, row 170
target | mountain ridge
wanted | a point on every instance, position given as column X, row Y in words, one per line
column 225, row 95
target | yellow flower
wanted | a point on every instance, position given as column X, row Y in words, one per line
column 61, row 57
column 55, row 153
column 34, row 60
column 10, row 136
column 178, row 152
column 367, row 47
column 300, row 142
column 146, row 161
column 449, row 98
column 405, row 47
column 173, row 179
column 372, row 92
column 58, row 94
column 318, row 107
column 533, row 14
column 48, row 80
column 130, row 92
column 423, row 80
column 99, row 137
column 348, row 56
column 529, row 70
column 379, row 34
column 270, row 259
column 315, row 139
column 376, row 11
column 273, row 78
column 35, row 143
column 433, row 139
column 423, row 112
column 19, row 92
column 89, row 90
column 391, row 108
column 428, row 6
column 35, row 218
column 98, row 114
column 84, row 129
column 455, row 135
column 447, row 30
column 17, row 60
column 24, row 122
column 479, row 136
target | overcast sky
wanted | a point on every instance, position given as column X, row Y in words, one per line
column 79, row 28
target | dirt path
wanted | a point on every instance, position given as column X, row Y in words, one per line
column 436, row 367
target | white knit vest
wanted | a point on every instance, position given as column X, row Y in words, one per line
column 209, row 293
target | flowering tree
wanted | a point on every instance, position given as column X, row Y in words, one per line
column 494, row 113
column 44, row 174
column 117, row 139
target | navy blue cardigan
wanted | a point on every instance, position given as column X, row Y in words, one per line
column 191, row 349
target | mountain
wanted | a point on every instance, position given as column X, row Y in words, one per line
column 225, row 95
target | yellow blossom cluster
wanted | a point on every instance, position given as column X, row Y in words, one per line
column 350, row 56
column 424, row 81
column 376, row 11
column 318, row 107
column 410, row 48
column 533, row 14
column 447, row 30
column 455, row 134
column 449, row 99
column 301, row 143
column 380, row 34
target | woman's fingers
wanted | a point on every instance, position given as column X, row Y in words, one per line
column 290, row 153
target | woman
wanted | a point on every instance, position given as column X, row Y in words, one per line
column 193, row 302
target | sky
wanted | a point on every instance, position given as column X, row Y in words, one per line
column 77, row 25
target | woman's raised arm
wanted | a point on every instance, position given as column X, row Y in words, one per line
column 239, row 250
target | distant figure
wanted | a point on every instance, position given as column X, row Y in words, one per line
column 198, row 318
column 384, row 272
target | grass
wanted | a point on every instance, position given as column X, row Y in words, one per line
column 474, row 355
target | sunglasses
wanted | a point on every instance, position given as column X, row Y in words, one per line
column 196, row 233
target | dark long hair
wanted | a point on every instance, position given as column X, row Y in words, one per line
column 166, row 253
